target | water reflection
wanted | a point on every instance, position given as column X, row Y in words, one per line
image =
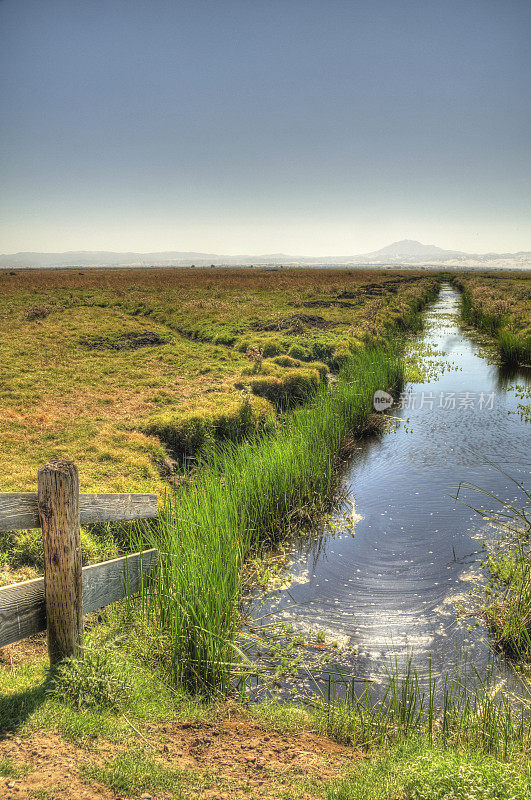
column 391, row 583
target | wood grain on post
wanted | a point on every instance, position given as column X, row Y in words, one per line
column 58, row 504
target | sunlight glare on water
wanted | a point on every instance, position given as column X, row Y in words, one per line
column 390, row 580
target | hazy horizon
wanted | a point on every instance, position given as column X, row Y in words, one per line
column 197, row 251
column 307, row 128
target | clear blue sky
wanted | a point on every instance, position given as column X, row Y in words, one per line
column 258, row 126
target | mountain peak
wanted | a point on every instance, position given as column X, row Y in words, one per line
column 409, row 248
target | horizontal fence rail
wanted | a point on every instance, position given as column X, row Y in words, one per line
column 23, row 605
column 19, row 510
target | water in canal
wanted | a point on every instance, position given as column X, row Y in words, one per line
column 386, row 576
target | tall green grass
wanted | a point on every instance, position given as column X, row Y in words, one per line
column 477, row 316
column 243, row 495
column 514, row 348
column 465, row 709
column 508, row 607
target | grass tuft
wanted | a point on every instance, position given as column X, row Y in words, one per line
column 196, row 432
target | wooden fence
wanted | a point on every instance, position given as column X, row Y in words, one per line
column 57, row 602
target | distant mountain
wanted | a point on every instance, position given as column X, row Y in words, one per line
column 410, row 249
column 102, row 258
column 407, row 253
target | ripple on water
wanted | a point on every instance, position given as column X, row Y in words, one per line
column 391, row 583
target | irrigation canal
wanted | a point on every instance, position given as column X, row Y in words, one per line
column 386, row 573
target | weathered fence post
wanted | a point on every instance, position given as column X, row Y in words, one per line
column 58, row 600
column 58, row 504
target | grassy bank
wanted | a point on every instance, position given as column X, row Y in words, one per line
column 249, row 495
column 241, row 497
column 499, row 305
column 507, row 607
column 113, row 723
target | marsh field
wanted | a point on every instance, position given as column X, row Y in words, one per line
column 301, row 533
column 127, row 369
column 135, row 374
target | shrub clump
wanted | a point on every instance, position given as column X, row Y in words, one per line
column 322, row 351
column 286, row 361
column 37, row 312
column 321, row 368
column 515, row 348
column 227, row 339
column 90, row 681
column 292, row 363
column 341, row 356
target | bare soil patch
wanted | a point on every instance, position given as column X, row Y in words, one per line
column 329, row 304
column 29, row 649
column 293, row 323
column 125, row 341
column 238, row 758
